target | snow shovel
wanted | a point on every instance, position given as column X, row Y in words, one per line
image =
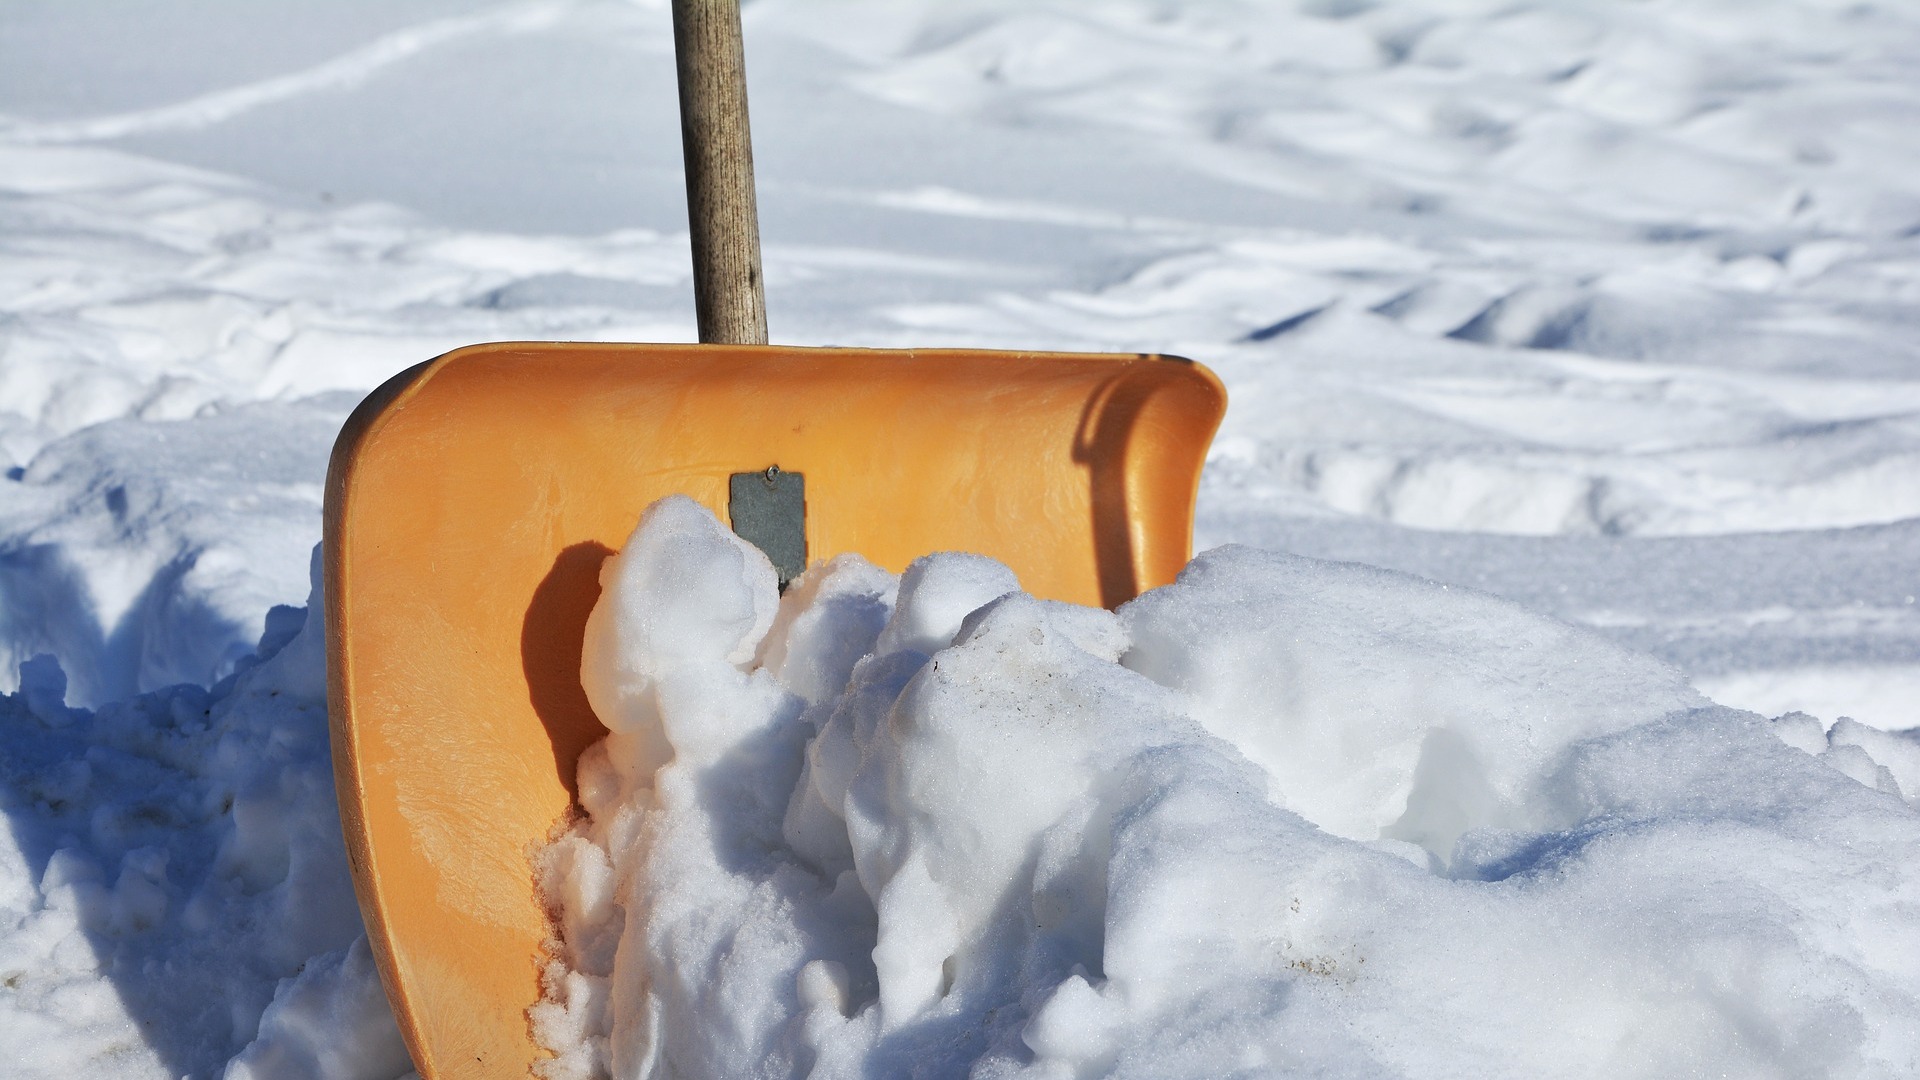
column 471, row 500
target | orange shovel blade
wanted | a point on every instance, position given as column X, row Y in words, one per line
column 471, row 501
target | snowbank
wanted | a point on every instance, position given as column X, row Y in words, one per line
column 176, row 892
column 1284, row 814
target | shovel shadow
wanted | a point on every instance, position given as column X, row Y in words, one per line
column 551, row 637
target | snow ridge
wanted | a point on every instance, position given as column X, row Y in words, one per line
column 350, row 69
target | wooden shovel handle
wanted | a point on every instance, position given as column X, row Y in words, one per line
column 727, row 290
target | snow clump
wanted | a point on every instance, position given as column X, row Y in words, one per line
column 1282, row 815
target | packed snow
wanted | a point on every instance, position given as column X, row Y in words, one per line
column 1281, row 816
column 1605, row 310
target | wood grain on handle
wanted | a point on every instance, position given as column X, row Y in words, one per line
column 727, row 289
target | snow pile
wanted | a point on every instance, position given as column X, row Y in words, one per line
column 176, row 891
column 1283, row 814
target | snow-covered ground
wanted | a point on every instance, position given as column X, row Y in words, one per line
column 1610, row 309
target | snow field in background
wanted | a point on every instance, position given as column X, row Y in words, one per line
column 1283, row 814
column 1562, row 270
